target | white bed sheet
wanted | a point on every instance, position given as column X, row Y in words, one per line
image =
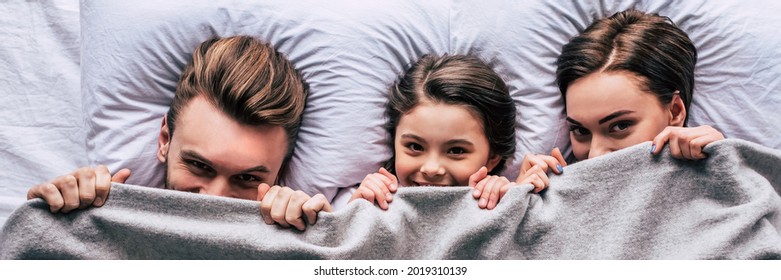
column 42, row 130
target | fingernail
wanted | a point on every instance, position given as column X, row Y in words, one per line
column 482, row 202
column 98, row 201
column 558, row 167
column 653, row 148
column 393, row 187
column 388, row 197
column 476, row 193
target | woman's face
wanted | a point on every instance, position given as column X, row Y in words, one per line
column 440, row 145
column 609, row 111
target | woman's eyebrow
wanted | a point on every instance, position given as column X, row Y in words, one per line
column 573, row 121
column 615, row 115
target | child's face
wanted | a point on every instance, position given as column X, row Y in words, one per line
column 608, row 112
column 440, row 145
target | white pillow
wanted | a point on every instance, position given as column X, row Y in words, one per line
column 349, row 52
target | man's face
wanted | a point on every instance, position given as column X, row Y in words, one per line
column 211, row 153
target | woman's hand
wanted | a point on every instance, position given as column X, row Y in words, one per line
column 686, row 142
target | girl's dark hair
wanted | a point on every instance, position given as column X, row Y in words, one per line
column 457, row 80
column 649, row 46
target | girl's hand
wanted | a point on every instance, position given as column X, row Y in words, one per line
column 377, row 187
column 287, row 207
column 686, row 142
column 489, row 189
column 534, row 169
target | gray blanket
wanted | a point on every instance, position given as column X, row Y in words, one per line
column 625, row 205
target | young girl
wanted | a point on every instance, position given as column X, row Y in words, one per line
column 625, row 80
column 451, row 122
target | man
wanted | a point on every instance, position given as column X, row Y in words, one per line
column 231, row 127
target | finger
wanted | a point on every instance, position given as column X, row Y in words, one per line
column 294, row 212
column 267, row 203
column 553, row 164
column 263, row 189
column 394, row 185
column 493, row 199
column 539, row 161
column 121, row 176
column 525, row 165
column 543, row 182
column 49, row 193
column 279, row 207
column 475, row 179
column 314, row 205
column 538, row 183
column 68, row 186
column 660, row 140
column 86, row 186
column 505, row 188
column 102, row 185
column 674, row 144
column 556, row 153
column 378, row 194
column 700, row 143
column 382, row 183
column 485, row 196
column 479, row 188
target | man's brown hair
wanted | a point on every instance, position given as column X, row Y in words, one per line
column 246, row 79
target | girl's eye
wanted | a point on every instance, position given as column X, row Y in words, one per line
column 247, row 178
column 456, row 151
column 579, row 130
column 620, row 126
column 415, row 147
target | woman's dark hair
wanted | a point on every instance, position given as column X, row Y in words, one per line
column 649, row 46
column 456, row 80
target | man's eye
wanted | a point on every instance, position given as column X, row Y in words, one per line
column 579, row 130
column 248, row 178
column 415, row 147
column 199, row 165
column 456, row 151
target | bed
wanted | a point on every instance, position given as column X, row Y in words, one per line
column 87, row 83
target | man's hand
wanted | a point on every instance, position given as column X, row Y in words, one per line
column 286, row 207
column 80, row 189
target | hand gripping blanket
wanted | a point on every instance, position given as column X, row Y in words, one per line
column 625, row 205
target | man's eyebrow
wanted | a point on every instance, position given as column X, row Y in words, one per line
column 196, row 156
column 614, row 115
column 259, row 168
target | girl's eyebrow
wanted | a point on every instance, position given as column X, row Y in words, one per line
column 459, row 142
column 413, row 137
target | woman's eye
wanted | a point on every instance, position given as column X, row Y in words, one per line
column 620, row 126
column 456, row 151
column 579, row 131
column 415, row 147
